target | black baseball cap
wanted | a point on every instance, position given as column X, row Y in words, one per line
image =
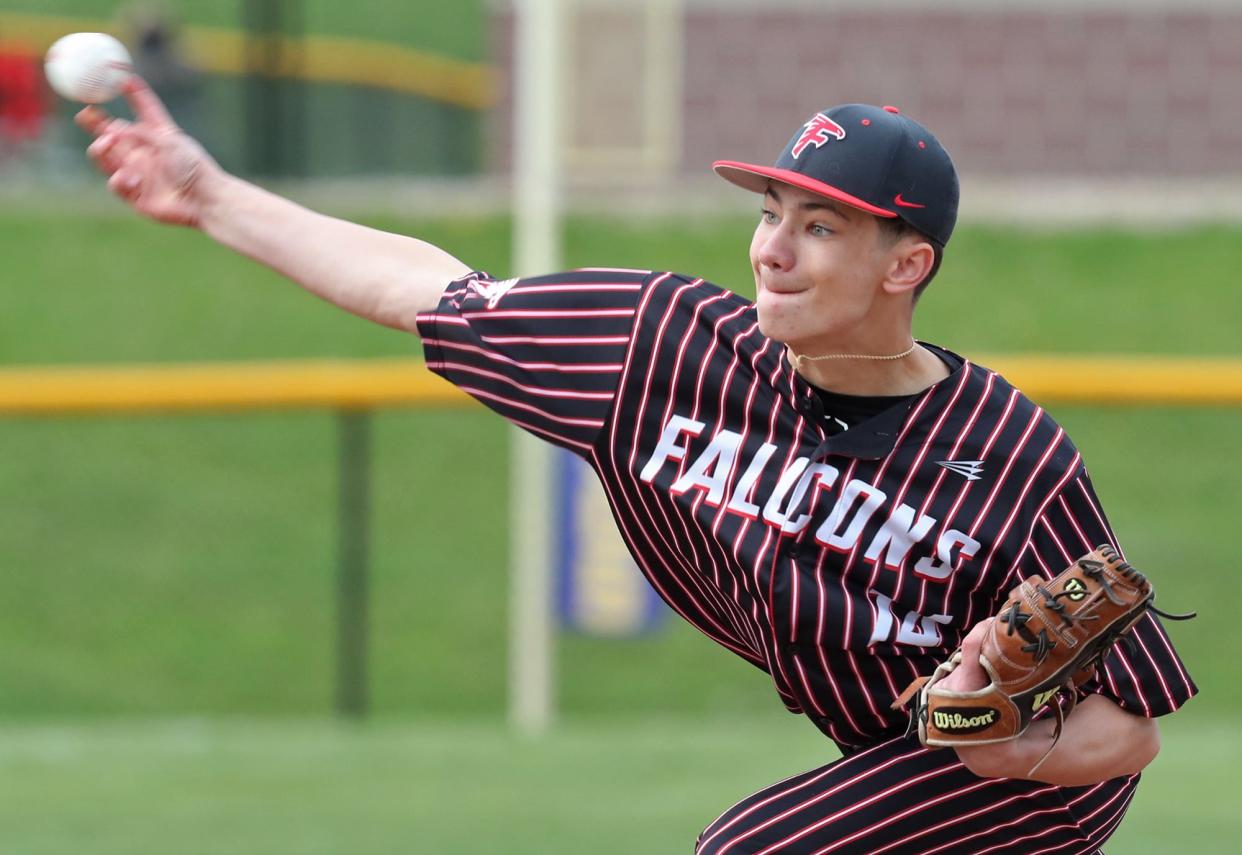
column 871, row 158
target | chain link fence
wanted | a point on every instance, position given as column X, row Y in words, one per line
column 271, row 87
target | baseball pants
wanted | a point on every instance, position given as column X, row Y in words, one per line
column 898, row 797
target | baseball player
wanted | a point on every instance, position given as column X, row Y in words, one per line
column 835, row 502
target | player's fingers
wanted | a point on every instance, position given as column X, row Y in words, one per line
column 972, row 644
column 108, row 132
column 974, row 638
column 102, row 145
column 126, row 184
column 92, row 120
column 969, row 675
column 101, row 153
column 110, row 150
column 119, row 126
column 120, row 138
column 146, row 104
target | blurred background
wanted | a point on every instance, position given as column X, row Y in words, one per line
column 285, row 629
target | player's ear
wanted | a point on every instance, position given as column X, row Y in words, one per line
column 910, row 261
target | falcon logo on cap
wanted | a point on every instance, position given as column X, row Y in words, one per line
column 816, row 132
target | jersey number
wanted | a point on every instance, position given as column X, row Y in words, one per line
column 919, row 630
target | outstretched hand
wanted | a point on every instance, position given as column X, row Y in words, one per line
column 151, row 163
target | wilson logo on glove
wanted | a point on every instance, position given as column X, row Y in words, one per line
column 965, row 719
column 1042, row 698
column 1076, row 589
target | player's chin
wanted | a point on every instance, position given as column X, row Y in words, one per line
column 781, row 306
column 779, row 324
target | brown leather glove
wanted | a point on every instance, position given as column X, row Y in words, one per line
column 1045, row 642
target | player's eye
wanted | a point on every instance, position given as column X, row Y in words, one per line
column 769, row 217
column 820, row 230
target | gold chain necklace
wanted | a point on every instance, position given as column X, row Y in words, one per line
column 798, row 358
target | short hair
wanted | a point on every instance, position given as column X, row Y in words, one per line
column 894, row 229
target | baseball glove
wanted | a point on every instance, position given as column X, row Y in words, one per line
column 1045, row 643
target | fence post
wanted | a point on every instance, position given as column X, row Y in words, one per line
column 353, row 532
column 275, row 112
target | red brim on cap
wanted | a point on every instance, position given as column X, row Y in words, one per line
column 756, row 178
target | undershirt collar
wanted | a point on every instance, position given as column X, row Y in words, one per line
column 880, row 416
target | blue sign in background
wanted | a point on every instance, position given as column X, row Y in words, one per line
column 599, row 589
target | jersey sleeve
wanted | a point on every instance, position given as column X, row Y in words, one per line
column 1149, row 679
column 546, row 352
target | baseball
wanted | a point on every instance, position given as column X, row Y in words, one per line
column 88, row 67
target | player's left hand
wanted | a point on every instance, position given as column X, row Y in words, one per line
column 1001, row 759
column 969, row 675
column 986, row 761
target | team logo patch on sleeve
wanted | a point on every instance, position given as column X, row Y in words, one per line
column 490, row 290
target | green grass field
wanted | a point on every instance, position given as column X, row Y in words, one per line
column 605, row 787
column 167, row 570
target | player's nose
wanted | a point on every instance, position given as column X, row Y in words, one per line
column 775, row 252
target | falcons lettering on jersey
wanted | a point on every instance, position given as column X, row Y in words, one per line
column 816, row 132
column 856, row 503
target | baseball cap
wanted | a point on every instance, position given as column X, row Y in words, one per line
column 872, row 158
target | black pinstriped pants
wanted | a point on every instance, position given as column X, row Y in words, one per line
column 898, row 797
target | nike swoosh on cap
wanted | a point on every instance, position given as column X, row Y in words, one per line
column 900, row 202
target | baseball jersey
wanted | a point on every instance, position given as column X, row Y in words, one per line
column 842, row 563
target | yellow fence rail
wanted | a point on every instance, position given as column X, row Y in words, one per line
column 1134, row 380
column 310, row 384
column 372, row 384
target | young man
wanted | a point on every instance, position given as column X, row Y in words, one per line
column 836, row 503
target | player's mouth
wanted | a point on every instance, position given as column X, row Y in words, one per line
column 781, row 290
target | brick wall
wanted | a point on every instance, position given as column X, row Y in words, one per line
column 1010, row 91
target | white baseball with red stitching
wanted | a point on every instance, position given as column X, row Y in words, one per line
column 88, row 67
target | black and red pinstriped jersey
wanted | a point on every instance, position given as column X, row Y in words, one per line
column 842, row 565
